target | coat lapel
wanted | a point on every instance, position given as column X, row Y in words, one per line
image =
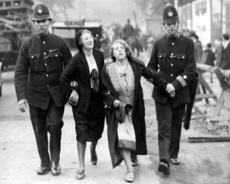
column 85, row 64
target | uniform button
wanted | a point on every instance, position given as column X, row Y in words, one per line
column 47, row 75
column 47, row 86
column 44, row 53
column 183, row 57
column 56, row 55
column 44, row 42
column 32, row 57
column 45, row 64
column 172, row 43
column 171, row 75
column 171, row 64
column 171, row 54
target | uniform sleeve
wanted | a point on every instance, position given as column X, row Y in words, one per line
column 67, row 76
column 21, row 73
column 156, row 79
column 189, row 72
column 153, row 62
column 66, row 53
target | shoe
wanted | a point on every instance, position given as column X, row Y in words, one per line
column 175, row 161
column 164, row 168
column 93, row 157
column 80, row 174
column 55, row 168
column 134, row 160
column 43, row 170
column 129, row 177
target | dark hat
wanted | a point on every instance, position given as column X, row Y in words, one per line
column 78, row 34
column 193, row 34
column 226, row 36
column 41, row 12
column 170, row 14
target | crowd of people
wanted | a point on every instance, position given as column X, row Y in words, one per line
column 43, row 80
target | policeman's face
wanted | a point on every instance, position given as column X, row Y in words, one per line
column 42, row 27
column 87, row 40
column 119, row 51
column 172, row 29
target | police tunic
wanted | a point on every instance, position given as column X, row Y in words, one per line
column 39, row 66
column 174, row 59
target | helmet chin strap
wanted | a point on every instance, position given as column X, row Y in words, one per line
column 171, row 35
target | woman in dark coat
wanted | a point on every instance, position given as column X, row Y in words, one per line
column 125, row 105
column 86, row 99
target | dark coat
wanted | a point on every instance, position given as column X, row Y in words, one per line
column 78, row 70
column 138, row 117
column 225, row 60
column 210, row 57
column 39, row 66
column 174, row 59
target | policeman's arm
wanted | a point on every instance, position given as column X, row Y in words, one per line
column 189, row 71
column 67, row 76
column 21, row 72
column 66, row 53
column 153, row 62
column 156, row 79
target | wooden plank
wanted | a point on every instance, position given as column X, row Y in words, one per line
column 199, row 96
column 208, row 139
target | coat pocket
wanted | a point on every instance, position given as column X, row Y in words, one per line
column 35, row 63
column 162, row 60
column 181, row 61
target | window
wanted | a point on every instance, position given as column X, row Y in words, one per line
column 16, row 3
column 8, row 3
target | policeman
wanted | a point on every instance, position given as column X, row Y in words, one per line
column 40, row 63
column 173, row 57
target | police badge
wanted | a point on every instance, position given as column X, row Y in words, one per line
column 39, row 10
column 170, row 13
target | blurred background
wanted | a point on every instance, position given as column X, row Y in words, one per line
column 209, row 19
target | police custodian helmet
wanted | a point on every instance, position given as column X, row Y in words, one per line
column 41, row 12
column 170, row 14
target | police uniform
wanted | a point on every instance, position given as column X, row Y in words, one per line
column 173, row 58
column 37, row 78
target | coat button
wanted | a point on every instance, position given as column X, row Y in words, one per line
column 48, row 86
column 47, row 75
column 32, row 57
column 172, row 43
column 45, row 64
column 44, row 42
column 56, row 55
column 171, row 64
column 171, row 75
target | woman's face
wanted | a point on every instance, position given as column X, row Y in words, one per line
column 119, row 51
column 87, row 40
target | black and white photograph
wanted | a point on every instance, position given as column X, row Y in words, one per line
column 115, row 91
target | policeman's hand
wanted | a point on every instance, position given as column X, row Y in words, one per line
column 22, row 105
column 172, row 94
column 73, row 99
column 169, row 88
column 116, row 103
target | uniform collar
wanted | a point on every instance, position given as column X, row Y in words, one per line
column 175, row 37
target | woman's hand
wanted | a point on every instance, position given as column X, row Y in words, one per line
column 116, row 103
column 73, row 99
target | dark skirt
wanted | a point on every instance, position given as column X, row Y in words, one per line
column 89, row 126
